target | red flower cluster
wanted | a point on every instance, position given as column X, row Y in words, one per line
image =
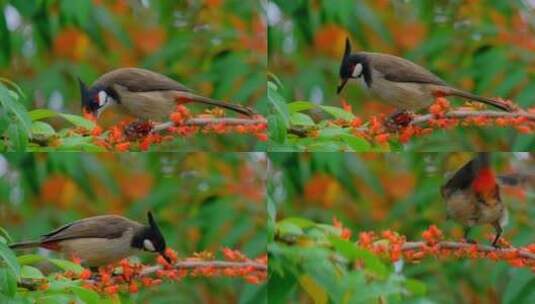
column 394, row 246
column 345, row 233
column 142, row 135
column 128, row 277
column 379, row 130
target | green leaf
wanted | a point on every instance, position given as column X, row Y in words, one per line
column 301, row 222
column 285, row 229
column 416, row 287
column 277, row 128
column 298, row 106
column 42, row 130
column 10, row 259
column 78, row 121
column 352, row 252
column 88, row 296
column 17, row 137
column 8, row 283
column 5, row 234
column 357, row 144
column 29, row 259
column 301, row 119
column 338, row 113
column 39, row 114
column 15, row 108
column 29, row 272
column 279, row 104
column 67, row 265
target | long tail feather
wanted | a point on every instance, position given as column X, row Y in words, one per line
column 25, row 245
column 482, row 99
column 201, row 99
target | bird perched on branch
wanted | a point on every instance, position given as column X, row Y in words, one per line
column 400, row 82
column 472, row 197
column 101, row 240
column 143, row 94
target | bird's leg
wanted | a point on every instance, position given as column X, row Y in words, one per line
column 499, row 231
column 399, row 119
column 466, row 238
column 138, row 129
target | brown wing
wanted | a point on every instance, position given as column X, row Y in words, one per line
column 104, row 226
column 140, row 80
column 398, row 69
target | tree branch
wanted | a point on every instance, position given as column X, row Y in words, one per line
column 191, row 265
column 417, row 245
column 461, row 114
column 201, row 122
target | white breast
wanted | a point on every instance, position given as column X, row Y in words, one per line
column 403, row 95
column 98, row 251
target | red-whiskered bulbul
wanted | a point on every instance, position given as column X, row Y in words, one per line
column 101, row 240
column 472, row 197
column 399, row 82
column 143, row 94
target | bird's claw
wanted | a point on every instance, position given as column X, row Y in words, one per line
column 399, row 120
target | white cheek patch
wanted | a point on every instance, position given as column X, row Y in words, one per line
column 148, row 245
column 357, row 70
column 102, row 98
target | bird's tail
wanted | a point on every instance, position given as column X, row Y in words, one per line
column 485, row 100
column 189, row 97
column 517, row 180
column 25, row 245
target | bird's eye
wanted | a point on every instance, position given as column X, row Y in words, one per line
column 147, row 244
column 102, row 98
column 357, row 70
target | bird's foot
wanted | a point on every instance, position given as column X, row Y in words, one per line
column 138, row 129
column 470, row 241
column 399, row 119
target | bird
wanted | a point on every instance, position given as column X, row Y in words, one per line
column 143, row 94
column 472, row 197
column 101, row 240
column 400, row 82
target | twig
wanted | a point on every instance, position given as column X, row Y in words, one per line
column 210, row 121
column 189, row 265
column 462, row 245
column 459, row 114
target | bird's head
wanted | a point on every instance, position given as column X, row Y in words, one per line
column 151, row 239
column 96, row 99
column 353, row 66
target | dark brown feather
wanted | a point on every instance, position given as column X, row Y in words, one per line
column 139, row 80
column 398, row 69
column 103, row 226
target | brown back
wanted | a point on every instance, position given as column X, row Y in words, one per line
column 103, row 226
column 402, row 70
column 139, row 80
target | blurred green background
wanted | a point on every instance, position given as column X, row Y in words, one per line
column 215, row 47
column 486, row 47
column 201, row 201
column 389, row 191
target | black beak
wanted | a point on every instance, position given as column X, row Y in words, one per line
column 167, row 259
column 341, row 85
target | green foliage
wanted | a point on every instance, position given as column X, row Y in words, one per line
column 311, row 262
column 216, row 49
column 287, row 116
column 201, row 201
column 314, row 258
column 484, row 47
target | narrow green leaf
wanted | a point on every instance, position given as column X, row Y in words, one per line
column 67, row 265
column 299, row 106
column 10, row 259
column 42, row 129
column 29, row 272
column 279, row 104
column 301, row 119
column 338, row 113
